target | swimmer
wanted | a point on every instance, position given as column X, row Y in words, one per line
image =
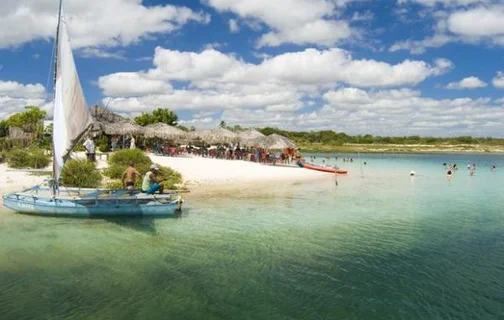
column 493, row 168
column 412, row 173
column 449, row 174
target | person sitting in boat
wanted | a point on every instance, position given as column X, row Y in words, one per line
column 129, row 176
column 151, row 183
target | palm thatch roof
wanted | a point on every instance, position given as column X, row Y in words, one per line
column 163, row 131
column 250, row 134
column 219, row 135
column 122, row 128
column 274, row 141
column 101, row 114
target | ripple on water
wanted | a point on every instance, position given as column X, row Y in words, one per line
column 381, row 247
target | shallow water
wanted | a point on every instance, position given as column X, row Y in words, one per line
column 380, row 245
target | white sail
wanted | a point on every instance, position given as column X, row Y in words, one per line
column 71, row 115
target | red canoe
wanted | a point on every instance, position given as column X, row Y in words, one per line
column 321, row 168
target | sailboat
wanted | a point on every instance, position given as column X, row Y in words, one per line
column 72, row 120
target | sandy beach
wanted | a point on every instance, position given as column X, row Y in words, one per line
column 200, row 175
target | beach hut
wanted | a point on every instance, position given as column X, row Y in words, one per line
column 248, row 137
column 219, row 135
column 122, row 128
column 163, row 131
column 275, row 142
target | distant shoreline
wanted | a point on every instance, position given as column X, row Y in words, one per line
column 403, row 149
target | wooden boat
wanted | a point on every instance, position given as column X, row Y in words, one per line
column 311, row 166
column 72, row 120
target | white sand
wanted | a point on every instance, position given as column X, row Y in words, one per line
column 197, row 173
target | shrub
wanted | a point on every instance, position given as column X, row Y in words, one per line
column 119, row 161
column 113, row 185
column 103, row 144
column 80, row 174
column 38, row 159
column 27, row 158
column 172, row 177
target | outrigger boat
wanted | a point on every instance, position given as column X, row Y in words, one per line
column 315, row 167
column 72, row 120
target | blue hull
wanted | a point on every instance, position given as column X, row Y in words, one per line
column 91, row 207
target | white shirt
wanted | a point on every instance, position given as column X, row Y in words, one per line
column 132, row 143
column 90, row 146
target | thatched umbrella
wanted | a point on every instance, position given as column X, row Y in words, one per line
column 122, row 128
column 247, row 137
column 163, row 131
column 219, row 135
column 274, row 141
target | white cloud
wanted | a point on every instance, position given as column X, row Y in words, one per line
column 233, row 26
column 322, row 32
column 419, row 46
column 14, row 96
column 15, row 89
column 276, row 91
column 467, row 83
column 99, row 53
column 432, row 3
column 478, row 22
column 498, row 81
column 473, row 25
column 130, row 84
column 310, row 67
column 91, row 22
column 291, row 21
column 384, row 112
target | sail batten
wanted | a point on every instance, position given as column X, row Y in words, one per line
column 71, row 115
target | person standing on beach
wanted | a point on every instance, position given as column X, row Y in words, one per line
column 132, row 143
column 90, row 149
column 297, row 155
column 129, row 176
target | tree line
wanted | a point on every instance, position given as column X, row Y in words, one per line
column 30, row 120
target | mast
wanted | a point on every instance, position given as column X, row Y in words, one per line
column 56, row 49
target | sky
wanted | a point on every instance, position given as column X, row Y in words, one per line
column 381, row 67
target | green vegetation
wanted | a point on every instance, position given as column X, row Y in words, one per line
column 29, row 120
column 80, row 174
column 103, row 144
column 158, row 115
column 328, row 140
column 113, row 185
column 27, row 158
column 119, row 161
column 4, row 128
column 172, row 177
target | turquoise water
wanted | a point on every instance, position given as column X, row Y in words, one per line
column 380, row 245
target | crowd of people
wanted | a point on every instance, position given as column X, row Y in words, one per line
column 222, row 151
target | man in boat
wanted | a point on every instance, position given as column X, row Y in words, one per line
column 151, row 183
column 90, row 149
column 129, row 176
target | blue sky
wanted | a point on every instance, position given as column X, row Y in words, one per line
column 389, row 67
